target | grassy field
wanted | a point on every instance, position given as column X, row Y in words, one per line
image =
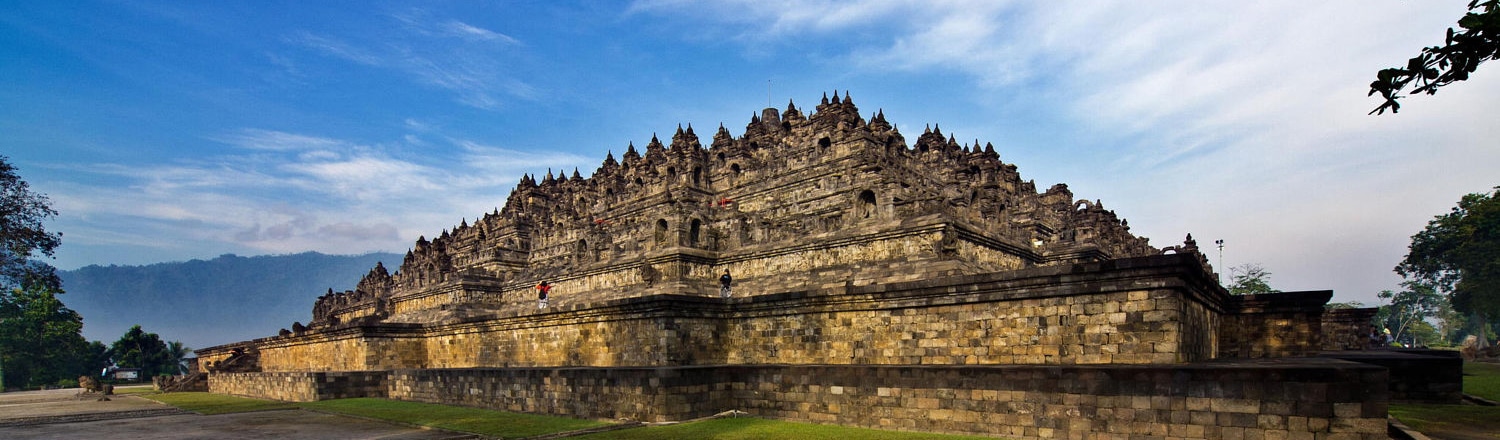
column 502, row 424
column 1480, row 379
column 750, row 428
column 134, row 390
column 454, row 418
column 206, row 403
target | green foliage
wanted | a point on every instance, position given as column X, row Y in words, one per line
column 177, row 358
column 22, row 234
column 1250, row 279
column 140, row 349
column 1409, row 309
column 1437, row 66
column 1459, row 254
column 40, row 338
column 479, row 421
column 96, row 357
column 751, row 428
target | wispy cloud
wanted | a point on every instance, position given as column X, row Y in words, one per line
column 336, row 48
column 448, row 54
column 257, row 139
column 278, row 192
column 1233, row 118
column 465, row 30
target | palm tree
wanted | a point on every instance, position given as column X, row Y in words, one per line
column 177, row 356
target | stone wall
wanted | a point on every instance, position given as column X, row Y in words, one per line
column 1348, row 329
column 380, row 347
column 302, row 386
column 1309, row 398
column 1417, row 375
column 1273, row 325
column 1151, row 310
column 1317, row 399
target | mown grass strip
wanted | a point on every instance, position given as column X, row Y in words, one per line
column 1482, row 379
column 210, row 404
column 750, row 428
column 1435, row 419
column 131, row 391
column 454, row 418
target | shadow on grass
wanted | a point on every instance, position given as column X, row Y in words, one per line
column 1459, row 421
column 511, row 425
column 454, row 418
column 750, row 428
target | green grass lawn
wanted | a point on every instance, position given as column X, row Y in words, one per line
column 207, row 403
column 511, row 425
column 1480, row 379
column 135, row 390
column 456, row 418
column 750, row 428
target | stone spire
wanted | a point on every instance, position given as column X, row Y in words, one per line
column 791, row 114
column 722, row 138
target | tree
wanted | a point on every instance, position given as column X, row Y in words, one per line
column 1459, row 254
column 1250, row 279
column 22, row 234
column 96, row 358
column 140, row 349
column 1413, row 305
column 1437, row 66
column 177, row 356
column 41, row 340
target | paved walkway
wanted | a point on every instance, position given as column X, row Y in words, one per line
column 61, row 414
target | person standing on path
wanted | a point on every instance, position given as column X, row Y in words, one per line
column 541, row 294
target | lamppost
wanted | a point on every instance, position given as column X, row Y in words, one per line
column 1221, row 255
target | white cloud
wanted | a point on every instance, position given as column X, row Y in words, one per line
column 1244, row 120
column 336, row 48
column 465, row 30
column 279, row 192
column 257, row 139
column 422, row 48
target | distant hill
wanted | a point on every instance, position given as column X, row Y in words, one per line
column 207, row 303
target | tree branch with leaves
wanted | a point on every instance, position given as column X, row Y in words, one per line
column 1437, row 66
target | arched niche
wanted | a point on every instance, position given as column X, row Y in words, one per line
column 695, row 233
column 660, row 233
column 864, row 205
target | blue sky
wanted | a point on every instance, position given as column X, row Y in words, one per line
column 166, row 131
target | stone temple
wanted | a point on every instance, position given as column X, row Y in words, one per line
column 918, row 285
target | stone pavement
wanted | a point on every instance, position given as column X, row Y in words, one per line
column 61, row 414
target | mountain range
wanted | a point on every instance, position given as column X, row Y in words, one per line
column 205, row 303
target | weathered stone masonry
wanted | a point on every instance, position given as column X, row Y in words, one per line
column 1147, row 310
column 878, row 283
